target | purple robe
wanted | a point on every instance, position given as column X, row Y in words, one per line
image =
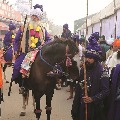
column 17, row 40
column 114, row 105
column 18, row 61
column 98, row 82
column 7, row 42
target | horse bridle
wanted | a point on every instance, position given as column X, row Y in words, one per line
column 53, row 66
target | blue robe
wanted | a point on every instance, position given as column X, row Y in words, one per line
column 114, row 104
column 19, row 60
column 7, row 43
column 98, row 82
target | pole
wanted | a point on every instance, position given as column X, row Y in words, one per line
column 85, row 81
column 115, row 17
column 30, row 1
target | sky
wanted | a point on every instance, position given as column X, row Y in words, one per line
column 66, row 11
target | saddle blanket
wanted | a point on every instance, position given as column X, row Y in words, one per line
column 27, row 62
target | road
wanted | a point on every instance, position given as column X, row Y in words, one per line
column 11, row 107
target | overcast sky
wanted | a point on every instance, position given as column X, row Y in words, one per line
column 66, row 11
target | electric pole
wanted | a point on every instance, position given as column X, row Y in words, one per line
column 30, row 1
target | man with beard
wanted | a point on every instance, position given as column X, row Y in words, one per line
column 33, row 35
column 97, row 86
column 66, row 32
column 114, row 97
column 114, row 59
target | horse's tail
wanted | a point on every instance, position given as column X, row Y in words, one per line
column 10, row 87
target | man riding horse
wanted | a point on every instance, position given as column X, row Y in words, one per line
column 29, row 39
column 8, row 46
column 33, row 36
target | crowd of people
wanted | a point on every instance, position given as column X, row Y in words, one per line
column 99, row 65
column 102, row 64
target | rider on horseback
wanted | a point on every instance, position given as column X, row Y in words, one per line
column 33, row 36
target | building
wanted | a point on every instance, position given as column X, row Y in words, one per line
column 78, row 23
column 7, row 14
column 106, row 22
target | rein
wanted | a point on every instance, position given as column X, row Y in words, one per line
column 49, row 63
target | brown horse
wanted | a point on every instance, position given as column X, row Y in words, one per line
column 39, row 81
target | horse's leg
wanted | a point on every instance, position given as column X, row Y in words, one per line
column 33, row 101
column 71, row 91
column 37, row 110
column 48, row 108
column 25, row 96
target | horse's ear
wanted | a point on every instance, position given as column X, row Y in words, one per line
column 67, row 49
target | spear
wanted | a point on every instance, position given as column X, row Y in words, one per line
column 85, row 81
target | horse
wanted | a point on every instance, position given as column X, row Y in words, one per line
column 47, row 57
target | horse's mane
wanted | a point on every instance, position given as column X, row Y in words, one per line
column 58, row 43
column 57, row 48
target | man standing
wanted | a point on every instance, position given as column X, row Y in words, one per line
column 8, row 43
column 66, row 32
column 114, row 97
column 8, row 47
column 97, row 86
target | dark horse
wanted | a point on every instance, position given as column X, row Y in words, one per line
column 39, row 82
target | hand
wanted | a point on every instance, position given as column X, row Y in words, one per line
column 87, row 99
column 22, row 28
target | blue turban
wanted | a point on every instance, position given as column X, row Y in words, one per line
column 12, row 26
column 65, row 26
column 95, row 35
column 38, row 6
column 93, row 50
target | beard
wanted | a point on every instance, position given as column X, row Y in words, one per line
column 89, row 66
column 118, row 55
column 34, row 23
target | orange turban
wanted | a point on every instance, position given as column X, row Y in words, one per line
column 116, row 43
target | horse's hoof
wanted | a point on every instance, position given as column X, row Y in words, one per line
column 7, row 81
column 22, row 113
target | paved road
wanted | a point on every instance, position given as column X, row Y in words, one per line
column 11, row 107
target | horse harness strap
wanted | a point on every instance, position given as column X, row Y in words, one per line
column 44, row 59
column 55, row 67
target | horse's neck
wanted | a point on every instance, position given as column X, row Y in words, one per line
column 55, row 55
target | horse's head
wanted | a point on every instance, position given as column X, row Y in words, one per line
column 56, row 52
column 72, row 52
